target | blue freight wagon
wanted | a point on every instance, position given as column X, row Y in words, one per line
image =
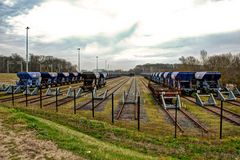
column 30, row 79
column 102, row 79
column 167, row 78
column 159, row 78
column 183, row 81
column 208, row 81
column 74, row 77
column 63, row 78
column 49, row 78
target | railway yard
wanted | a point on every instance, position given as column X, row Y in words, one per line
column 124, row 99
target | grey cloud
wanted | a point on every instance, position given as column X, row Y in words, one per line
column 172, row 50
column 13, row 42
column 102, row 40
column 20, row 7
column 214, row 42
column 63, row 48
column 159, row 54
column 127, row 33
column 188, row 46
column 201, row 2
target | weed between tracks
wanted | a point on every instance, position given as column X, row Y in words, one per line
column 211, row 121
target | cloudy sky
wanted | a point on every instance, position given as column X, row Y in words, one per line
column 123, row 32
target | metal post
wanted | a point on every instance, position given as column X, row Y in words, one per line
column 79, row 67
column 221, row 117
column 74, row 96
column 51, row 67
column 21, row 66
column 97, row 64
column 7, row 67
column 92, row 104
column 26, row 94
column 106, row 65
column 56, row 101
column 40, row 96
column 12, row 96
column 138, row 101
column 175, row 136
column 112, row 108
column 27, row 48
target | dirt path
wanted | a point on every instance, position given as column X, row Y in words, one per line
column 18, row 143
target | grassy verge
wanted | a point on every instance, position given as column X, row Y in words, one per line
column 77, row 142
column 69, row 126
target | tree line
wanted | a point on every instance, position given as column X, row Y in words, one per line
column 16, row 63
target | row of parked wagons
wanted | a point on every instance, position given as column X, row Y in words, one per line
column 187, row 82
column 36, row 79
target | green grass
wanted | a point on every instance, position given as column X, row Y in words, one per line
column 211, row 121
column 66, row 138
column 63, row 128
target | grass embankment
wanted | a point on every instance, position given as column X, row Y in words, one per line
column 66, row 138
column 71, row 133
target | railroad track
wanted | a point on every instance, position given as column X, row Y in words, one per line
column 183, row 115
column 67, row 99
column 185, row 120
column 10, row 98
column 235, row 103
column 227, row 115
column 44, row 97
column 127, row 109
column 115, row 87
column 165, row 110
column 23, row 96
column 118, row 87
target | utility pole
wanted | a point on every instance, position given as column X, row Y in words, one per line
column 27, row 48
column 97, row 64
column 105, row 64
column 79, row 67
